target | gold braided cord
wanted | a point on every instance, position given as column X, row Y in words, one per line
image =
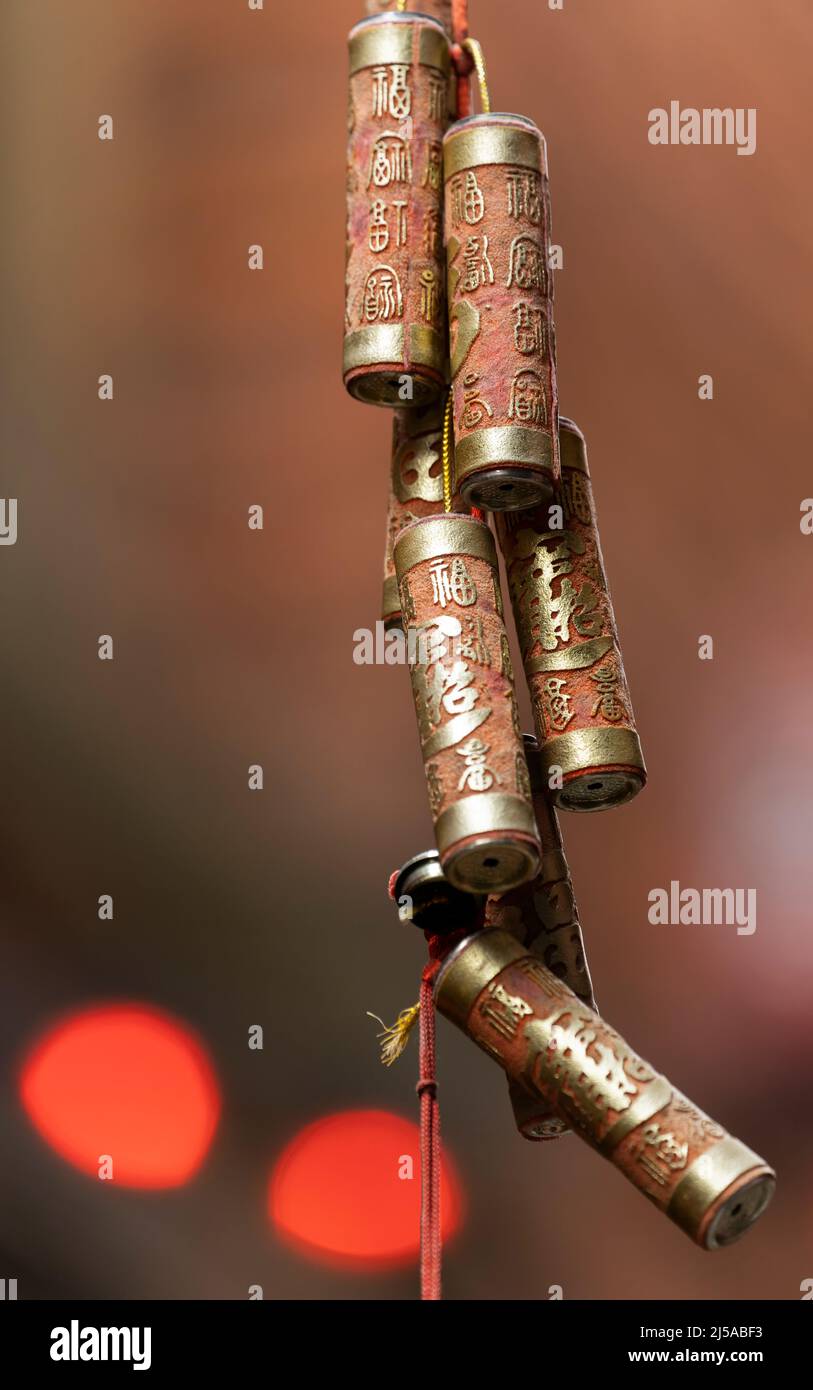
column 472, row 46
column 447, row 454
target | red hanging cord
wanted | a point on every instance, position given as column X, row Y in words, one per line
column 427, row 1088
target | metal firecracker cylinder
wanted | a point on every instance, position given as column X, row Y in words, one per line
column 457, row 645
column 416, row 489
column 543, row 916
column 500, row 298
column 566, row 627
column 548, row 1041
column 395, row 344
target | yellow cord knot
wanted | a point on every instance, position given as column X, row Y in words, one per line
column 394, row 1038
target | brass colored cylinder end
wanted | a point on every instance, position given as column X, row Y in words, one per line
column 739, row 1208
column 384, row 386
column 506, row 489
column 600, row 768
column 492, row 863
column 722, row 1194
column 598, row 790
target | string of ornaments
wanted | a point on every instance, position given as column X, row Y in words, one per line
column 449, row 323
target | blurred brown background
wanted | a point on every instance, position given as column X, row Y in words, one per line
column 235, row 647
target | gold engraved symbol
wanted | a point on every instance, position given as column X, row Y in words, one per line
column 464, row 317
column 610, row 700
column 429, row 296
column 555, row 704
column 379, row 238
column 391, row 94
column 382, row 299
column 433, row 234
column 576, row 496
column 448, row 688
column 478, row 269
column 472, row 642
column 468, row 203
column 524, row 189
column 522, row 778
column 434, row 165
column 476, row 775
column 548, row 615
column 505, row 1012
column 526, row 268
column 452, row 584
column 529, row 328
column 585, row 1068
column 475, row 408
column 435, row 787
column 663, row 1154
column 390, row 161
column 528, row 403
column 438, row 96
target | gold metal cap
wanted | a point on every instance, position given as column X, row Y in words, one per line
column 435, row 536
column 722, row 1194
column 496, row 137
column 600, row 768
column 488, row 842
column 469, row 968
column 388, row 38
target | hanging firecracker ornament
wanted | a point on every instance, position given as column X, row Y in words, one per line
column 500, row 296
column 543, row 916
column 395, row 345
column 416, row 489
column 476, row 773
column 591, row 752
column 495, row 901
column 547, row 1040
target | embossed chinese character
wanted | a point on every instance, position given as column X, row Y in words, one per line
column 523, row 187
column 476, row 775
column 475, row 407
column 430, row 298
column 526, row 268
column 555, row 704
column 433, row 172
column 472, row 642
column 527, row 402
column 610, row 700
column 435, row 787
column 390, row 161
column 452, row 583
column 391, row 94
column 529, row 328
column 382, row 299
column 477, row 268
column 576, row 496
column 468, row 203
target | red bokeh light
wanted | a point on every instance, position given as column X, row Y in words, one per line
column 336, row 1192
column 125, row 1080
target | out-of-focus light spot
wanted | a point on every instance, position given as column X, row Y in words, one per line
column 128, row 1081
column 336, row 1191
